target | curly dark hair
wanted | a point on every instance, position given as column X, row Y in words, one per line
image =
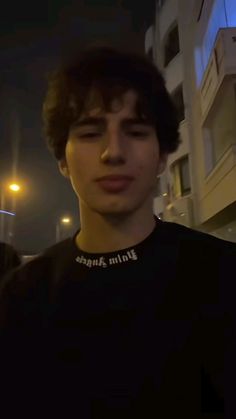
column 111, row 73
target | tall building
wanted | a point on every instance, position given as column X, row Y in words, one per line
column 193, row 42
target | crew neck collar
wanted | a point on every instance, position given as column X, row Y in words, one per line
column 126, row 249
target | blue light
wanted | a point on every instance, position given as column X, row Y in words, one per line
column 198, row 65
column 223, row 15
column 230, row 7
column 6, row 212
column 216, row 21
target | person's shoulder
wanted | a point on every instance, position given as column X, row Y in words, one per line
column 24, row 276
column 181, row 231
column 187, row 235
column 39, row 269
column 56, row 252
column 9, row 257
column 58, row 249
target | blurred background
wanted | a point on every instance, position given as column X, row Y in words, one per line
column 34, row 38
column 193, row 42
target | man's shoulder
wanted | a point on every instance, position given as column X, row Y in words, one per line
column 189, row 238
column 202, row 256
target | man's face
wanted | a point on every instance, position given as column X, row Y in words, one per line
column 112, row 159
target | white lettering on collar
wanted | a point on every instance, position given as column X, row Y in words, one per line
column 129, row 255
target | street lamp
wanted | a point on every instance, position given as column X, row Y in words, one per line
column 12, row 188
column 66, row 220
column 62, row 221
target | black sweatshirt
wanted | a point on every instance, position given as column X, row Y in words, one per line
column 147, row 331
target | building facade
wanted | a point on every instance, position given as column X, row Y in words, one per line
column 193, row 43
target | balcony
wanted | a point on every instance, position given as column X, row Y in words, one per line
column 222, row 64
column 184, row 146
column 174, row 73
column 219, row 189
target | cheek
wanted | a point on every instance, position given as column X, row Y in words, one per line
column 73, row 163
column 80, row 159
column 72, row 157
column 80, row 169
column 148, row 166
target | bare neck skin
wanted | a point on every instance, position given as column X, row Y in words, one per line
column 103, row 234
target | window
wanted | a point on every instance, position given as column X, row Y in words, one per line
column 184, row 176
column 222, row 15
column 181, row 178
column 178, row 100
column 171, row 48
column 208, row 147
column 219, row 133
column 176, row 187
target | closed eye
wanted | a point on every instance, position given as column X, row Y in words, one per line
column 138, row 133
column 89, row 134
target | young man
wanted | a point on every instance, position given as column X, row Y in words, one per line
column 132, row 317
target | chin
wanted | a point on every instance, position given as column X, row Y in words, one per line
column 112, row 212
column 116, row 206
column 116, row 210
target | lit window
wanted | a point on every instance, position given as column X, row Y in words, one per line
column 181, row 177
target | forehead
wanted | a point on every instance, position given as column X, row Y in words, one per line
column 125, row 104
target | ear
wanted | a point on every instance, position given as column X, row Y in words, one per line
column 162, row 163
column 62, row 164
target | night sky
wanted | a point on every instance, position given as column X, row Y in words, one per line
column 34, row 37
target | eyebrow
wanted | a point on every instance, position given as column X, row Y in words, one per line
column 101, row 121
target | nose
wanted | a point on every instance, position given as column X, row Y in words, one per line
column 113, row 148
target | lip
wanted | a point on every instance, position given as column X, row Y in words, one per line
column 115, row 183
column 115, row 178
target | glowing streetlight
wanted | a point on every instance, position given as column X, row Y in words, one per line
column 63, row 221
column 5, row 190
column 14, row 187
column 66, row 220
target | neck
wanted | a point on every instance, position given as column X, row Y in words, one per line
column 103, row 234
